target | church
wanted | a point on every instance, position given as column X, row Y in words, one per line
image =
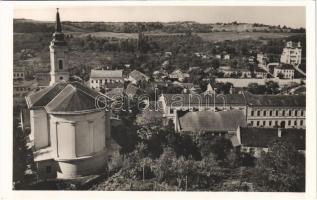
column 69, row 134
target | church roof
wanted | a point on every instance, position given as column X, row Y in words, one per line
column 65, row 98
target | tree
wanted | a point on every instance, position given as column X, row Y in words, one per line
column 280, row 75
column 215, row 63
column 282, row 168
column 272, row 87
column 19, row 153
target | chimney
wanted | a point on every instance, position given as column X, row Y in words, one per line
column 279, row 132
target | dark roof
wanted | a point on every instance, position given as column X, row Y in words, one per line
column 275, row 100
column 212, row 121
column 112, row 85
column 258, row 69
column 262, row 137
column 132, row 90
column 64, row 98
column 196, row 99
column 138, row 76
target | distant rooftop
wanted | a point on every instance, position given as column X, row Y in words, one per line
column 105, row 73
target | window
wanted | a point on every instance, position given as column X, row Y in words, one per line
column 301, row 122
column 289, row 113
column 270, row 123
column 276, row 113
column 92, row 81
column 295, row 123
column 289, row 122
column 61, row 78
column 302, row 113
column 48, row 169
column 96, row 81
column 258, row 113
column 295, row 112
column 251, row 123
column 271, row 112
column 60, row 64
column 264, row 123
column 276, row 123
column 283, row 113
column 258, row 123
column 264, row 113
column 252, row 113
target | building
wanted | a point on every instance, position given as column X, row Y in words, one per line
column 222, row 122
column 178, row 75
column 226, row 57
column 285, row 71
column 285, row 111
column 70, row 133
column 137, row 77
column 58, row 54
column 21, row 89
column 257, row 140
column 260, row 73
column 236, row 73
column 171, row 103
column 262, row 60
column 133, row 91
column 292, row 53
column 18, row 73
column 101, row 78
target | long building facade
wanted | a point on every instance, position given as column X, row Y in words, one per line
column 284, row 111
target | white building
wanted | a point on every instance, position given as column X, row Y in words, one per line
column 69, row 132
column 286, row 70
column 292, row 53
column 98, row 78
column 262, row 59
column 18, row 74
column 137, row 77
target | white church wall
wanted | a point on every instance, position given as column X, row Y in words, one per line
column 39, row 127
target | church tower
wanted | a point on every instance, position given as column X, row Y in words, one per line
column 58, row 54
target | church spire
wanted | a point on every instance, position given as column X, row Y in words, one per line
column 58, row 25
column 58, row 35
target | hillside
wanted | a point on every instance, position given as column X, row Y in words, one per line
column 27, row 26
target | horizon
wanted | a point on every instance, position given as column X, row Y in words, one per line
column 239, row 22
column 290, row 16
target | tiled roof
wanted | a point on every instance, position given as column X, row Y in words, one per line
column 64, row 98
column 258, row 69
column 138, row 76
column 105, row 73
column 196, row 99
column 212, row 121
column 114, row 93
column 275, row 100
column 132, row 90
column 262, row 137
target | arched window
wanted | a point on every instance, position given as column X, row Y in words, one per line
column 61, row 78
column 60, row 64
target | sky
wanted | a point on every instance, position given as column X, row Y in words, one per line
column 292, row 16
